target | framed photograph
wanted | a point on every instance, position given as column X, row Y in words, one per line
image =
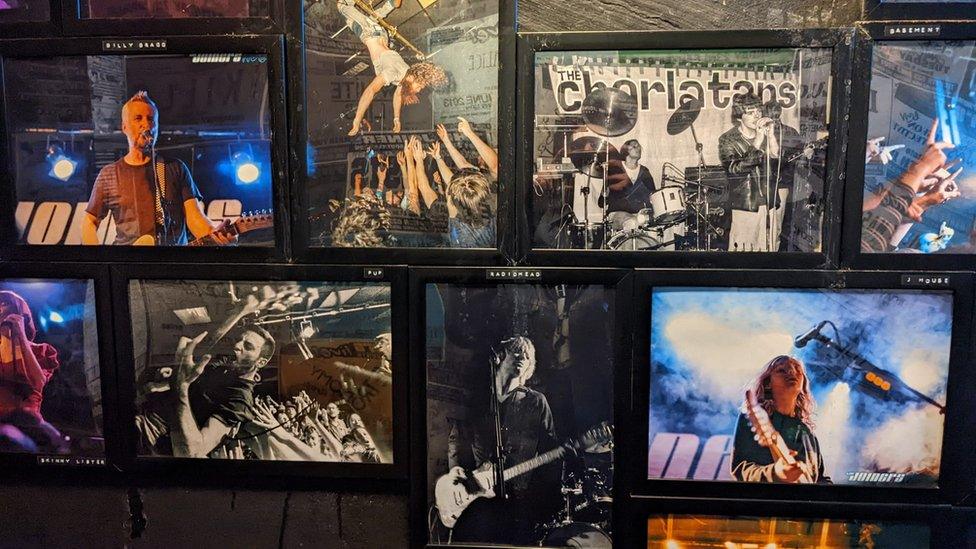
column 686, row 144
column 917, row 10
column 165, row 148
column 171, row 17
column 514, row 415
column 56, row 376
column 403, row 135
column 804, row 385
column 20, row 18
column 910, row 164
column 684, row 522
column 292, row 371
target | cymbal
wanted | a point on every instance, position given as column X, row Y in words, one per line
column 684, row 116
column 588, row 154
column 609, row 111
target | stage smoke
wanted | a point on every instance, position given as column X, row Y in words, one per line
column 833, row 429
column 911, row 442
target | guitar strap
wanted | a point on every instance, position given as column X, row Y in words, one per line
column 160, row 189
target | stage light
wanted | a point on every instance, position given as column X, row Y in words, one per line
column 62, row 167
column 771, row 546
column 245, row 168
column 671, row 544
column 56, row 317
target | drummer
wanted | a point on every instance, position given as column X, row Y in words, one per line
column 631, row 184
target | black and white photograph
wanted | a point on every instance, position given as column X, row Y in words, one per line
column 519, row 414
column 249, row 370
column 681, row 150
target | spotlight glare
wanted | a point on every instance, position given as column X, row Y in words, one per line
column 248, row 172
column 671, row 544
column 56, row 317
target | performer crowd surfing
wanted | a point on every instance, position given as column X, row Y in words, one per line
column 203, row 409
column 433, row 187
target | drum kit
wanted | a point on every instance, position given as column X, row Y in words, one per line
column 585, row 520
column 685, row 199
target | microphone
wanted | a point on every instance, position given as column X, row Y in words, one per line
column 148, row 136
column 813, row 333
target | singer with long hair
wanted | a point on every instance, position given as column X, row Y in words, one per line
column 782, row 389
column 25, row 366
column 153, row 200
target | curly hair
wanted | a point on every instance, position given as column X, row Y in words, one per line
column 427, row 74
column 361, row 222
column 470, row 193
column 805, row 404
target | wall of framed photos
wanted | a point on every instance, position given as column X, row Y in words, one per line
column 367, row 222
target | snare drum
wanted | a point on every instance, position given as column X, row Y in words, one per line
column 668, row 205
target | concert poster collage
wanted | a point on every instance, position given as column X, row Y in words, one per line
column 565, row 289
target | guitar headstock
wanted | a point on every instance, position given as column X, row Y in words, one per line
column 600, row 435
column 759, row 421
column 254, row 221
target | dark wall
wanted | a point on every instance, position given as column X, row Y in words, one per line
column 99, row 517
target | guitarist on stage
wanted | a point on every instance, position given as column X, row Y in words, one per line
column 148, row 196
column 527, row 431
column 783, row 391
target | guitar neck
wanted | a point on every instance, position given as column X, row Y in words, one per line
column 534, row 463
column 208, row 239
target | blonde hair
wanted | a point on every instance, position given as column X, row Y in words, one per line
column 761, row 386
column 428, row 74
column 141, row 96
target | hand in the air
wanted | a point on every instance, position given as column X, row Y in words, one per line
column 464, row 127
column 189, row 369
column 931, row 161
column 442, row 133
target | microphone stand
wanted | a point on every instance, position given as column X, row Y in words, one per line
column 498, row 460
column 860, row 360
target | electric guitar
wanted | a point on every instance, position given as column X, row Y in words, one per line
column 243, row 224
column 451, row 493
column 767, row 435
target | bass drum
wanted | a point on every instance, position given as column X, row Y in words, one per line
column 636, row 240
column 578, row 534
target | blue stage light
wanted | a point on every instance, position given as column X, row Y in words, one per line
column 246, row 170
column 62, row 167
column 56, row 317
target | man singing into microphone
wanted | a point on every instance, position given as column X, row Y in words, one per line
column 783, row 390
column 153, row 200
column 745, row 152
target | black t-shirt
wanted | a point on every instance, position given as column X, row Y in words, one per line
column 128, row 193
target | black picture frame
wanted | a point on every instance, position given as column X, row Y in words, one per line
column 958, row 470
column 879, row 10
column 851, row 254
column 75, row 24
column 21, row 466
column 301, row 475
column 946, row 524
column 26, row 29
column 840, row 40
column 269, row 45
column 619, row 279
column 298, row 132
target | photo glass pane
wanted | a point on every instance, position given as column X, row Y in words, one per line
column 402, row 113
column 166, row 150
column 735, row 532
column 919, row 196
column 24, row 11
column 173, row 9
column 544, row 354
column 665, row 150
column 834, row 390
column 50, row 376
column 295, row 371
